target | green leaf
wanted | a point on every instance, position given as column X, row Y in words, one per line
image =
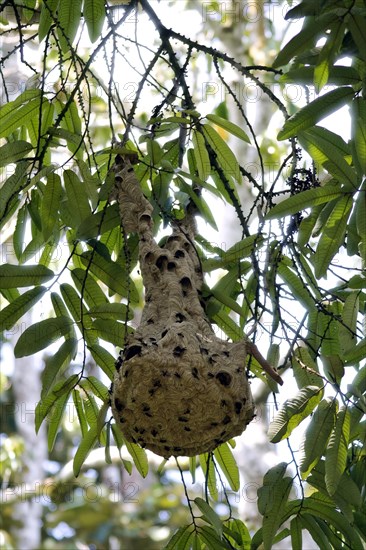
column 115, row 311
column 316, row 532
column 103, row 359
column 356, row 24
column 293, row 412
column 80, row 412
column 198, row 201
column 299, row 289
column 327, row 54
column 77, row 197
column 201, row 156
column 296, row 533
column 211, row 538
column 16, row 276
column 110, row 331
column 225, row 156
column 348, row 329
column 332, row 237
column 111, row 274
column 305, row 370
column 50, row 204
column 241, row 249
column 99, row 223
column 357, row 353
column 230, row 127
column 317, row 434
column 16, row 309
column 78, row 312
column 55, row 418
column 44, row 406
column 305, row 38
column 316, row 110
column 18, row 117
column 329, row 149
column 69, row 15
column 305, row 199
column 139, row 458
column 57, row 362
column 88, row 288
column 13, row 151
column 48, row 9
column 210, row 475
column 210, row 515
column 94, row 15
column 336, row 455
column 98, row 388
column 358, row 109
column 86, row 445
column 19, row 231
column 180, row 539
column 10, row 189
column 272, row 498
column 41, row 335
column 228, row 465
column 339, row 75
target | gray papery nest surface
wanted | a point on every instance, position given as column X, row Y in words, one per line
column 178, row 389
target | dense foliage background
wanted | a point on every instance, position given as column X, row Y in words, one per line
column 226, row 104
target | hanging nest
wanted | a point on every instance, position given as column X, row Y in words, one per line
column 178, row 389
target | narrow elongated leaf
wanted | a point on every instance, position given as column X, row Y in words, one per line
column 15, row 276
column 339, row 75
column 180, row 539
column 94, row 14
column 327, row 54
column 111, row 274
column 315, row 531
column 225, row 156
column 10, row 190
column 336, row 455
column 316, row 110
column 306, row 199
column 359, row 131
column 198, row 201
column 201, row 156
column 15, row 118
column 210, row 515
column 293, row 412
column 317, row 435
column 69, row 15
column 332, row 236
column 210, row 475
column 19, row 232
column 212, row 539
column 296, row 533
column 41, row 335
column 46, row 20
column 57, row 362
column 99, row 223
column 77, row 197
column 111, row 331
column 303, row 39
column 300, row 290
column 305, row 369
column 228, row 465
column 86, row 445
column 139, row 458
column 50, row 204
column 13, row 151
column 16, row 309
column 114, row 311
column 348, row 329
column 88, row 288
column 80, row 412
column 61, row 388
column 55, row 420
column 230, row 127
column 356, row 24
column 357, row 353
column 272, row 498
column 104, row 359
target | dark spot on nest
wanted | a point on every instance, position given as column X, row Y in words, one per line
column 141, row 441
column 186, row 283
column 118, row 404
column 157, row 383
column 226, row 420
column 226, row 353
column 179, row 254
column 194, row 372
column 142, row 431
column 204, row 351
column 148, row 414
column 145, row 218
column 161, row 261
column 186, row 245
column 177, row 375
column 166, row 448
column 162, row 440
column 224, row 378
column 171, row 266
column 145, row 407
column 118, row 363
column 187, row 411
column 211, row 360
column 178, row 351
column 122, row 420
column 164, row 333
column 177, row 449
column 238, row 406
column 223, row 403
column 132, row 351
column 198, row 269
column 164, row 372
column 149, row 257
column 154, row 432
column 150, row 322
column 218, row 441
column 214, row 424
column 151, row 392
column 126, row 373
column 182, row 419
column 180, row 317
column 187, row 429
column 173, row 238
column 210, row 375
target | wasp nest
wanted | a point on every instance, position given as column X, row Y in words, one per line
column 178, row 389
